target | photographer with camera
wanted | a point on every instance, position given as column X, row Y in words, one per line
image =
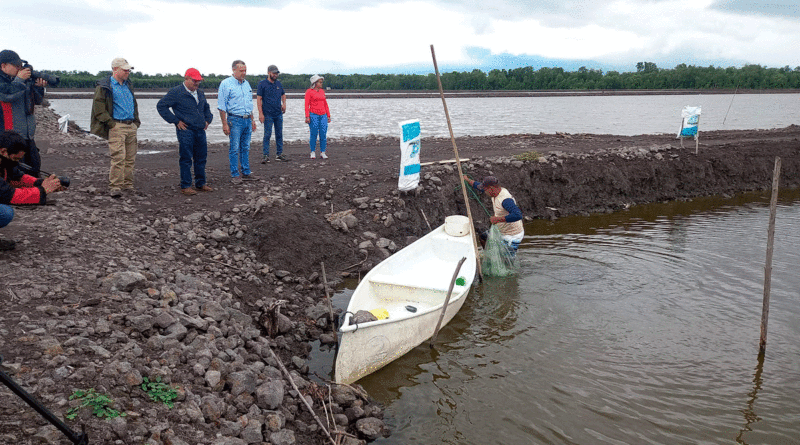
column 21, row 89
column 16, row 187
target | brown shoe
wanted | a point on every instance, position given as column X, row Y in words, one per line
column 205, row 188
column 188, row 191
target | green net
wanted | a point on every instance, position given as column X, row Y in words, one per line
column 499, row 258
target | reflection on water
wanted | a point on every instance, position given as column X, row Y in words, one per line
column 635, row 327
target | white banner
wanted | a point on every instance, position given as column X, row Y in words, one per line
column 409, row 155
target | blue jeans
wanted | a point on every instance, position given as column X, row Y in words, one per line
column 318, row 124
column 193, row 149
column 241, row 130
column 277, row 121
column 6, row 214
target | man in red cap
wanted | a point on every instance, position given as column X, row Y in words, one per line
column 185, row 106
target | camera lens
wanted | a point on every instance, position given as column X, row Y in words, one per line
column 64, row 182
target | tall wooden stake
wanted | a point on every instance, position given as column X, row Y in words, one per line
column 773, row 208
column 460, row 172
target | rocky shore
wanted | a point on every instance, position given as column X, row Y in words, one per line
column 220, row 295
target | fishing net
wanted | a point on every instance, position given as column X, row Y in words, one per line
column 499, row 258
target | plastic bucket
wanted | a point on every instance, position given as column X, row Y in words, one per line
column 456, row 225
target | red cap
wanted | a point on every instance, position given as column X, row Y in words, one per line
column 193, row 74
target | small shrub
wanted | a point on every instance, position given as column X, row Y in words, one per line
column 99, row 403
column 527, row 156
column 159, row 392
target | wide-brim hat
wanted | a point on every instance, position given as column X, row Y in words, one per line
column 315, row 78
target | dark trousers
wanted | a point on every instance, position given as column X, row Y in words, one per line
column 32, row 159
column 193, row 150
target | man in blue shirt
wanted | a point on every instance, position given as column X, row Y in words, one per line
column 115, row 116
column 185, row 106
column 235, row 105
column 271, row 102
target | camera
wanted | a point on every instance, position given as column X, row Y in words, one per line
column 49, row 78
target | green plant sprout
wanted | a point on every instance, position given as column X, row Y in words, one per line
column 98, row 402
column 159, row 392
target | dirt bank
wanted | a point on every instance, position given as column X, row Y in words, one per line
column 102, row 293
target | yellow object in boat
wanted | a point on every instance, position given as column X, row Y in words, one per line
column 380, row 313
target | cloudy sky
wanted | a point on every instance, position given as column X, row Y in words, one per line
column 394, row 36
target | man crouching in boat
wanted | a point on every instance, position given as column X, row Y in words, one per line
column 507, row 216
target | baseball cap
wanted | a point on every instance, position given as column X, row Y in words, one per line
column 119, row 62
column 193, row 74
column 9, row 56
column 273, row 69
column 489, row 181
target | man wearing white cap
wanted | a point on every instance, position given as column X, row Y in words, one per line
column 115, row 116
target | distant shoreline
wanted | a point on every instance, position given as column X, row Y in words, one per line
column 157, row 93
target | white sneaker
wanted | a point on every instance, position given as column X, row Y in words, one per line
column 313, row 155
column 323, row 155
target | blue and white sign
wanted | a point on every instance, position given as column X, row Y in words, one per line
column 690, row 120
column 409, row 155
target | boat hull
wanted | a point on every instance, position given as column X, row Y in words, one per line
column 411, row 286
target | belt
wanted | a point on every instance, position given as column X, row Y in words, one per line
column 127, row 121
column 246, row 116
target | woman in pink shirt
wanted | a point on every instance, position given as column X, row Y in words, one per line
column 318, row 116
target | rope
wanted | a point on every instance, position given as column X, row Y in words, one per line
column 474, row 195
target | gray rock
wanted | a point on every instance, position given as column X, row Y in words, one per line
column 350, row 220
column 282, row 437
column 215, row 311
column 125, row 281
column 274, row 420
column 366, row 245
column 270, row 394
column 370, row 428
column 220, row 235
column 213, row 378
column 242, row 382
column 252, row 432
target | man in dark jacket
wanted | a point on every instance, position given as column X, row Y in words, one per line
column 185, row 106
column 115, row 116
column 16, row 187
column 18, row 96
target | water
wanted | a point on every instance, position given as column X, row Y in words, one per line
column 639, row 327
column 622, row 115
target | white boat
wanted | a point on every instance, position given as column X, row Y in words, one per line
column 411, row 286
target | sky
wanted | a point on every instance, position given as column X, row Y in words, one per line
column 395, row 36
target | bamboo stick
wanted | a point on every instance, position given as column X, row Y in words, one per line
column 460, row 172
column 773, row 208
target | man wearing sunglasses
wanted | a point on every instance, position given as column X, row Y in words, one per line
column 185, row 106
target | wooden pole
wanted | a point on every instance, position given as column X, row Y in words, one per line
column 773, row 208
column 447, row 300
column 327, row 297
column 460, row 172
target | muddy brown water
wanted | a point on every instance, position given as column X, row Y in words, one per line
column 640, row 326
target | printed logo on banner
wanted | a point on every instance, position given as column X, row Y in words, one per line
column 409, row 158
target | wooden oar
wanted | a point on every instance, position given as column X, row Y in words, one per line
column 447, row 300
column 460, row 173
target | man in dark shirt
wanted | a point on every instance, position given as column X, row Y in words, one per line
column 185, row 106
column 271, row 101
column 18, row 96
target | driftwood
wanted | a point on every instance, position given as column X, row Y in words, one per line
column 305, row 402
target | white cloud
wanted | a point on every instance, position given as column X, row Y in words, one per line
column 158, row 36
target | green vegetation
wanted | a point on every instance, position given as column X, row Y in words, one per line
column 527, row 156
column 646, row 76
column 99, row 403
column 159, row 392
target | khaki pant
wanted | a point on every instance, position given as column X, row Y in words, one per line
column 122, row 145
